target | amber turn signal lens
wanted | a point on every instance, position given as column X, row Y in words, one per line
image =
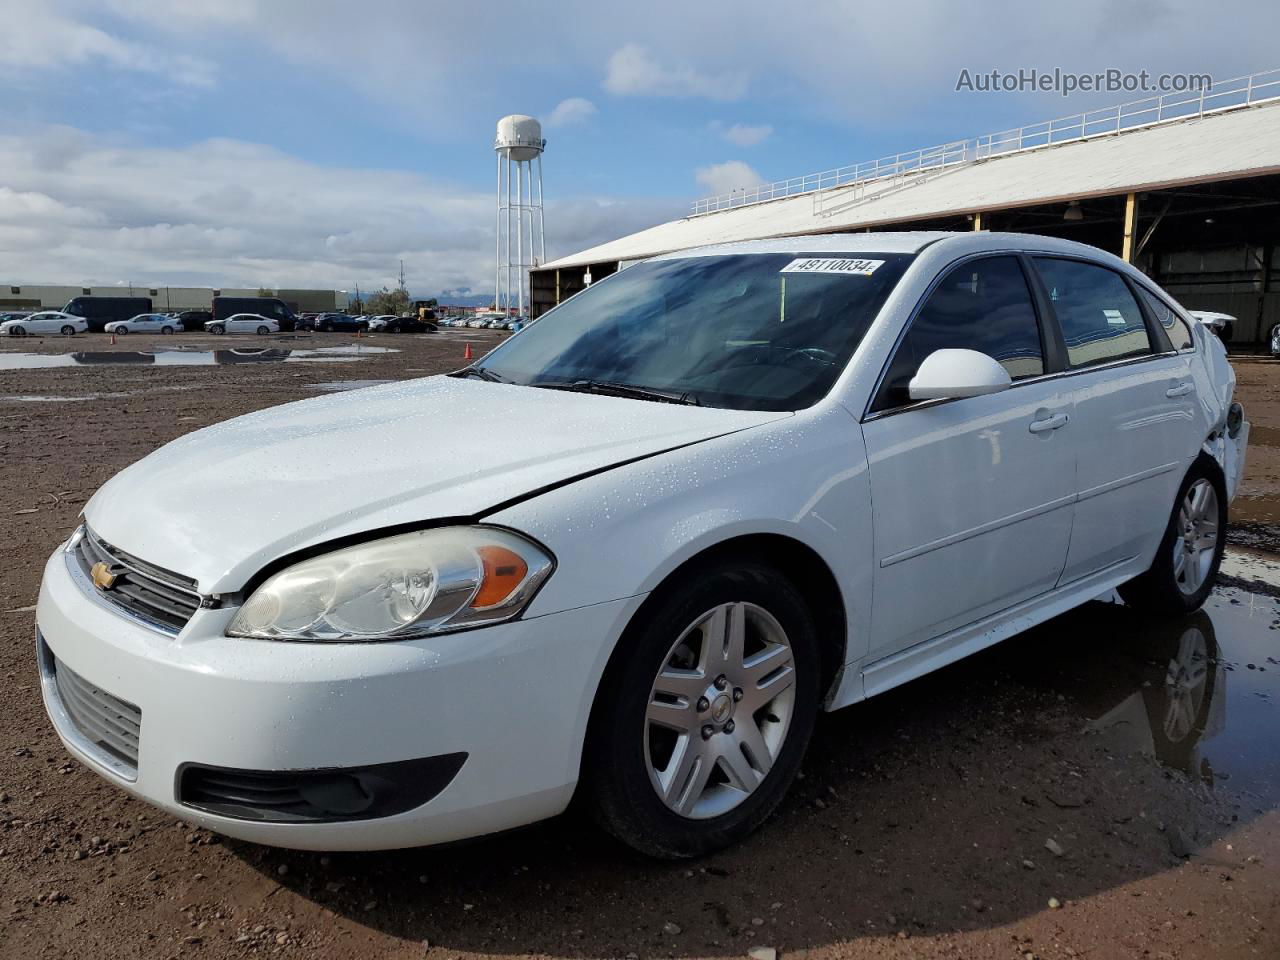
column 504, row 570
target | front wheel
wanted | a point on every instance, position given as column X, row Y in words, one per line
column 1186, row 564
column 68, row 330
column 700, row 726
column 166, row 330
column 18, row 331
column 263, row 331
column 122, row 330
column 216, row 330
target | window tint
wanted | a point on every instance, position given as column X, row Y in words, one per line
column 982, row 305
column 1177, row 329
column 1100, row 320
column 752, row 331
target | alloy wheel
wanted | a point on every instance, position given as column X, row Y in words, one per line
column 1196, row 542
column 719, row 710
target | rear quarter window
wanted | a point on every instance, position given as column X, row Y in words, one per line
column 1174, row 326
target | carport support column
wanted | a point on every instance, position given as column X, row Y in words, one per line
column 977, row 222
column 1130, row 227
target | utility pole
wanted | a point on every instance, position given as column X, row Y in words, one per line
column 401, row 274
column 359, row 301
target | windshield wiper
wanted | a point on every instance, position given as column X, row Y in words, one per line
column 610, row 389
column 480, row 373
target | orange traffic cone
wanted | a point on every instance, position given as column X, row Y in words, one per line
column 467, row 353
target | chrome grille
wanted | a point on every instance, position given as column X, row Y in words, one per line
column 110, row 724
column 160, row 597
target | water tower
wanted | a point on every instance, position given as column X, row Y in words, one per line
column 520, row 242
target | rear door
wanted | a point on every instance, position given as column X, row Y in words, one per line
column 972, row 498
column 1134, row 402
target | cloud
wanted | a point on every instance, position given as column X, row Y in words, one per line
column 726, row 177
column 39, row 37
column 632, row 71
column 743, row 135
column 570, row 111
column 229, row 213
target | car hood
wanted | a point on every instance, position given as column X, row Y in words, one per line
column 220, row 503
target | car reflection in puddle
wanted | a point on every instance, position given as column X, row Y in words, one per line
column 189, row 358
column 1197, row 693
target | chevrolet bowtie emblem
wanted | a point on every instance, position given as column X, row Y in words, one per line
column 103, row 578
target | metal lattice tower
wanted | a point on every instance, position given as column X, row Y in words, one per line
column 520, row 244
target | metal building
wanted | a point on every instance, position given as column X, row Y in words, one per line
column 1186, row 186
column 520, row 244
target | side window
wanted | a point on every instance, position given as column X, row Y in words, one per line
column 982, row 305
column 1174, row 325
column 1100, row 320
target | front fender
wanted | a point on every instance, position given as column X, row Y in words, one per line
column 620, row 533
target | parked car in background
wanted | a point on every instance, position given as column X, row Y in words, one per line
column 721, row 421
column 342, row 322
column 1222, row 324
column 46, row 321
column 378, row 321
column 273, row 308
column 193, row 320
column 403, row 325
column 305, row 321
column 244, row 323
column 99, row 311
column 144, row 323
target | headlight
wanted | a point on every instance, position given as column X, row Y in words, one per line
column 411, row 585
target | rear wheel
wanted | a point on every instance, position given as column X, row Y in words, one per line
column 1187, row 561
column 263, row 331
column 166, row 330
column 700, row 727
column 68, row 330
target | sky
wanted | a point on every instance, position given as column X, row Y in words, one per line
column 317, row 143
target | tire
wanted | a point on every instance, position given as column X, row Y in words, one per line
column 123, row 331
column 1190, row 553
column 18, row 331
column 68, row 330
column 263, row 331
column 167, row 331
column 217, row 331
column 714, row 800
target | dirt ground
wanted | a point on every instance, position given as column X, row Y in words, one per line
column 1058, row 796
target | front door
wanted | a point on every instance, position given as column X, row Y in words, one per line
column 972, row 498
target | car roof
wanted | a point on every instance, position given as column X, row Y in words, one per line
column 908, row 242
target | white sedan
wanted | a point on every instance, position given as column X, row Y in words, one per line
column 143, row 323
column 243, row 323
column 47, row 321
column 659, row 530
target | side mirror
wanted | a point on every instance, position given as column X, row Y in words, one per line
column 954, row 374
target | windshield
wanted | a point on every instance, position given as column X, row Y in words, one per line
column 765, row 331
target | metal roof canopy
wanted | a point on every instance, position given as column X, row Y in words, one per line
column 1229, row 144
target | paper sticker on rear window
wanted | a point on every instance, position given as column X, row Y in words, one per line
column 1114, row 317
column 858, row 267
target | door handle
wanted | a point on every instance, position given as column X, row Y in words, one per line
column 1181, row 390
column 1048, row 423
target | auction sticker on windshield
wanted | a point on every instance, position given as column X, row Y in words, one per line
column 863, row 268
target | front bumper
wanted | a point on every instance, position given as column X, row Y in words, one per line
column 514, row 698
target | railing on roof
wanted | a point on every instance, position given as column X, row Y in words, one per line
column 1148, row 112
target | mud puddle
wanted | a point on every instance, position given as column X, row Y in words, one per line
column 190, row 357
